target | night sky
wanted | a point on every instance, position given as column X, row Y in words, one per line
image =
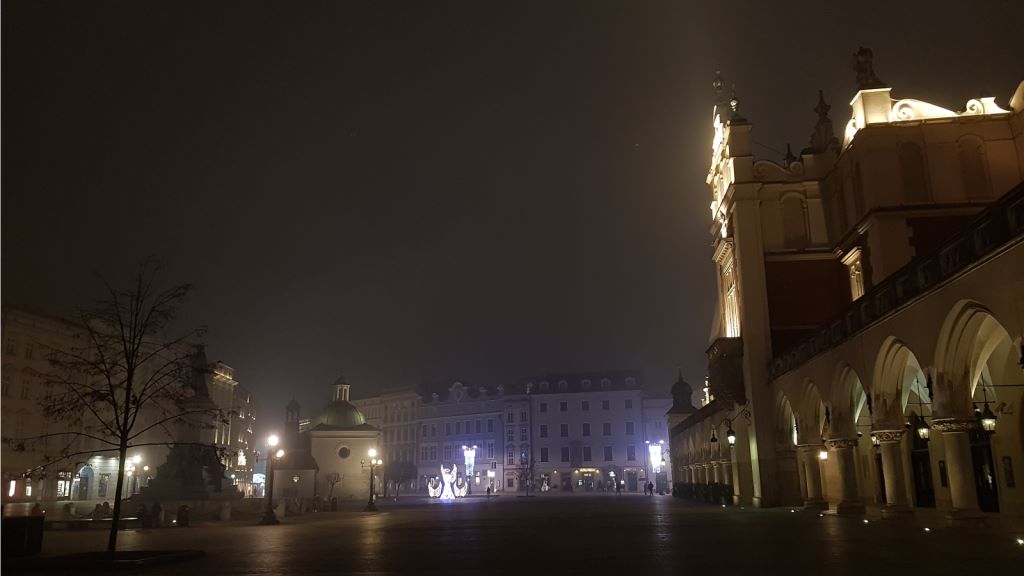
column 422, row 192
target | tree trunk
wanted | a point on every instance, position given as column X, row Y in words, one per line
column 115, row 521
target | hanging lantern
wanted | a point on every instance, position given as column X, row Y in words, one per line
column 923, row 430
column 988, row 420
column 714, row 439
column 730, row 435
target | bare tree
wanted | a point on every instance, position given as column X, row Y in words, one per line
column 332, row 479
column 125, row 379
column 399, row 472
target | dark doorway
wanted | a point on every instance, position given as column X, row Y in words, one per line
column 984, row 471
column 921, row 467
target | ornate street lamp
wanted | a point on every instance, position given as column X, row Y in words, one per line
column 988, row 420
column 374, row 462
column 923, row 429
column 269, row 518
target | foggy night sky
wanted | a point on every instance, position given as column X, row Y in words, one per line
column 422, row 192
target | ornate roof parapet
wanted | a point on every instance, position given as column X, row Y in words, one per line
column 873, row 105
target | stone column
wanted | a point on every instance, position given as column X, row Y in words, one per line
column 716, row 471
column 960, row 470
column 735, row 478
column 808, row 454
column 892, row 471
column 842, row 449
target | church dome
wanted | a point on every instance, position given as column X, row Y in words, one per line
column 338, row 414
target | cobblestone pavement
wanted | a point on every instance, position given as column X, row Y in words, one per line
column 570, row 535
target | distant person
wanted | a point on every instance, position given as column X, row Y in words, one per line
column 97, row 512
column 156, row 512
column 107, row 513
column 143, row 516
column 488, row 491
column 618, row 489
column 650, row 488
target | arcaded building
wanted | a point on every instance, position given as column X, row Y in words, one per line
column 867, row 345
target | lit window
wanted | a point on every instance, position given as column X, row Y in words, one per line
column 854, row 267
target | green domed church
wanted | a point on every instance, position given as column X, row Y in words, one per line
column 324, row 455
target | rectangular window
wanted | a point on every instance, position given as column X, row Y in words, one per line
column 490, row 425
column 605, row 405
column 543, row 430
column 477, row 426
column 433, row 452
column 447, row 453
column 433, row 430
column 563, row 406
column 629, row 428
column 586, row 429
column 510, row 434
column 510, row 456
column 466, row 427
column 448, row 429
column 629, row 403
column 423, row 453
column 543, row 407
column 522, row 415
column 522, row 434
column 510, row 417
column 543, row 454
column 606, row 429
column 565, row 453
column 607, row 453
column 490, row 450
column 458, row 427
column 564, row 430
column 586, row 454
column 631, row 453
column 585, row 405
column 423, row 432
column 510, row 483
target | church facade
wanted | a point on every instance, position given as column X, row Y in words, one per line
column 867, row 346
column 325, row 457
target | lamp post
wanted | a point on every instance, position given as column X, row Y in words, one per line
column 374, row 461
column 269, row 517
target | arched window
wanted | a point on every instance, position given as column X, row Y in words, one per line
column 794, row 223
column 915, row 179
column 972, row 167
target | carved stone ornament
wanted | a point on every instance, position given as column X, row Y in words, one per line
column 841, row 443
column 954, row 424
column 889, row 435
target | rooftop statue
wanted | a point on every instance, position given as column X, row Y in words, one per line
column 863, row 64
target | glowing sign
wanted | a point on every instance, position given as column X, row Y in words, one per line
column 469, row 457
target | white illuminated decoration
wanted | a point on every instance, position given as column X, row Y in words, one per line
column 468, row 458
column 449, row 487
column 655, row 452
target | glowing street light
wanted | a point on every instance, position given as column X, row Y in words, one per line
column 374, row 461
column 269, row 518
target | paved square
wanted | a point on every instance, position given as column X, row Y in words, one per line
column 574, row 535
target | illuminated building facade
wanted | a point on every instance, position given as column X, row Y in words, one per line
column 870, row 315
column 394, row 413
column 594, row 430
column 90, row 472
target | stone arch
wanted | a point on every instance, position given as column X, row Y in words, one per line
column 794, row 222
column 897, row 372
column 785, row 421
column 914, row 174
column 969, row 338
column 848, row 404
column 809, row 413
column 973, row 167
